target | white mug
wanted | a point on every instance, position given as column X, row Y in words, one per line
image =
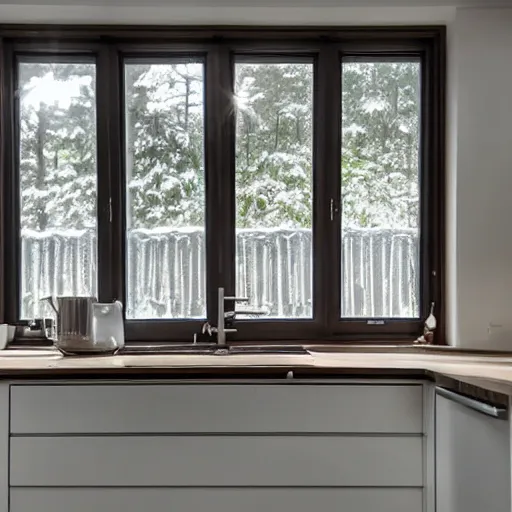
column 4, row 334
column 11, row 331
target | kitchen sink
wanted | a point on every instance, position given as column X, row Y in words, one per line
column 210, row 349
column 171, row 348
column 270, row 349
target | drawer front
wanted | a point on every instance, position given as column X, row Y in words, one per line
column 216, row 500
column 105, row 409
column 216, row 461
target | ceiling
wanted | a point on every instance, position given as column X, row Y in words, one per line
column 257, row 3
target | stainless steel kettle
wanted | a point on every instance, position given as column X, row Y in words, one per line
column 73, row 332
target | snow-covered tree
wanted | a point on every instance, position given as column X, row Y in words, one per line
column 165, row 148
column 58, row 145
column 274, row 145
column 165, row 171
column 380, row 180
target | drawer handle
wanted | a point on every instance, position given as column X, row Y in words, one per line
column 493, row 411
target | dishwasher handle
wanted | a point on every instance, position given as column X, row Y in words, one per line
column 493, row 411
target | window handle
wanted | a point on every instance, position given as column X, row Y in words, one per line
column 334, row 209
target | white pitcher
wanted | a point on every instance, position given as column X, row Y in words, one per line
column 108, row 326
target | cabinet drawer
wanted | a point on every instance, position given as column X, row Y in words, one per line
column 207, row 408
column 216, row 500
column 216, row 461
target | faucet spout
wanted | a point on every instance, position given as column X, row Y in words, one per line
column 221, row 316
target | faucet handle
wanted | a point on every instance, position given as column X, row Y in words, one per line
column 237, row 299
column 206, row 329
column 252, row 312
column 229, row 319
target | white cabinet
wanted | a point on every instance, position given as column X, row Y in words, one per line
column 155, row 446
column 206, row 461
column 4, row 447
column 216, row 500
column 216, row 408
column 472, row 459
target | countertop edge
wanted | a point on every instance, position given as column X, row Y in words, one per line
column 490, row 372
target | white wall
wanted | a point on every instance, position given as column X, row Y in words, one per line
column 480, row 176
column 215, row 14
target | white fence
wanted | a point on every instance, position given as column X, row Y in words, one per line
column 166, row 274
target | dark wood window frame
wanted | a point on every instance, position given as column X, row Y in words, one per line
column 110, row 45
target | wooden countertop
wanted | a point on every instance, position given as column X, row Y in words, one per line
column 493, row 372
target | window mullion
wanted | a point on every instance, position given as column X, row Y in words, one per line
column 432, row 217
column 327, row 192
column 9, row 227
column 111, row 244
column 220, row 177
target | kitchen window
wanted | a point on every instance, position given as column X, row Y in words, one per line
column 300, row 168
column 274, row 186
column 57, row 178
column 165, row 188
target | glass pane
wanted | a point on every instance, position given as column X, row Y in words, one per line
column 165, row 190
column 380, row 189
column 57, row 132
column 274, row 187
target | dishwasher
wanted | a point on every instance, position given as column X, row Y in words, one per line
column 472, row 454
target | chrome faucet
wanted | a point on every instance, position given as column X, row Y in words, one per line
column 226, row 318
column 222, row 315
